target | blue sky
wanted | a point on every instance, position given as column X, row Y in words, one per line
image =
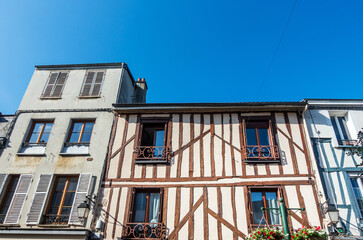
column 191, row 51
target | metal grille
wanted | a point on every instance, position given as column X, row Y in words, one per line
column 144, row 231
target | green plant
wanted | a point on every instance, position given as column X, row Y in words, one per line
column 266, row 233
column 309, row 233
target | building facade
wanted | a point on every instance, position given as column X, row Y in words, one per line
column 333, row 126
column 58, row 146
column 203, row 171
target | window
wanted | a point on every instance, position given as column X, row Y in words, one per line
column 145, row 215
column 92, row 84
column 39, row 132
column 341, row 130
column 8, row 196
column 13, row 193
column 37, row 138
column 81, row 132
column 267, row 198
column 357, row 186
column 61, row 202
column 55, row 85
column 259, row 140
column 79, row 137
column 152, row 144
column 57, row 197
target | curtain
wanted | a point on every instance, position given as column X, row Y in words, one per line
column 274, row 215
column 154, row 208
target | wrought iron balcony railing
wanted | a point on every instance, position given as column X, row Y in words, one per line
column 347, row 142
column 261, row 152
column 153, row 154
column 50, row 219
column 133, row 231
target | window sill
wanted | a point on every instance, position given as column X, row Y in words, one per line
column 73, row 154
column 88, row 97
column 262, row 161
column 31, row 154
column 345, row 146
column 53, row 225
column 9, row 225
column 50, row 98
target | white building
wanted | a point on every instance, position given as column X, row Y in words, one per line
column 333, row 126
column 58, row 146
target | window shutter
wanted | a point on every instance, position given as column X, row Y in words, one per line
column 88, row 84
column 97, row 84
column 17, row 202
column 39, row 199
column 132, row 200
column 50, row 85
column 84, row 182
column 57, row 92
column 3, row 178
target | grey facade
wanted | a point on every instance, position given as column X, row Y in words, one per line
column 56, row 152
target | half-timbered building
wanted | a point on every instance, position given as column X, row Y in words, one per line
column 203, row 171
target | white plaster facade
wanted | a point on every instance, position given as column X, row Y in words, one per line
column 50, row 159
column 338, row 171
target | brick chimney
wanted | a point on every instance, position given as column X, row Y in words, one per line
column 140, row 91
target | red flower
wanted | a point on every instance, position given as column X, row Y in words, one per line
column 258, row 232
column 271, row 233
column 264, row 234
column 318, row 228
column 269, row 237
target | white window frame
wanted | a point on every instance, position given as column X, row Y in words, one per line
column 340, row 129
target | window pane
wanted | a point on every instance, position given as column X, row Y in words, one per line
column 88, row 127
column 159, row 138
column 274, row 215
column 68, row 200
column 251, row 136
column 86, row 137
column 140, row 207
column 263, row 135
column 44, row 138
column 34, row 138
column 257, row 204
column 9, row 195
column 38, row 127
column 337, row 134
column 60, row 184
column 154, row 207
column 343, row 127
column 66, row 210
column 74, row 137
column 72, row 186
column 77, row 127
column 357, row 193
column 48, row 127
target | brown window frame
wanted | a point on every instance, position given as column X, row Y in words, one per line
column 142, row 151
column 138, row 230
column 51, row 94
column 5, row 193
column 274, row 150
column 82, row 131
column 34, row 122
column 92, row 84
column 264, row 189
column 58, row 218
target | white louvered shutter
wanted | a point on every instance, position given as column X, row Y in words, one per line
column 57, row 92
column 97, row 84
column 88, row 84
column 19, row 197
column 48, row 89
column 83, row 186
column 3, row 178
column 39, row 199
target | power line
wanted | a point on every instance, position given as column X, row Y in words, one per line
column 277, row 49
